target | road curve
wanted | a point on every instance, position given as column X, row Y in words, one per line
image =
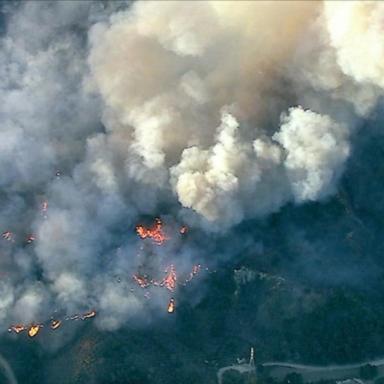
column 279, row 369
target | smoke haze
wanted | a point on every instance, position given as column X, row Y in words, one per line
column 204, row 113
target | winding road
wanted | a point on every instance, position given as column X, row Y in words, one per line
column 279, row 370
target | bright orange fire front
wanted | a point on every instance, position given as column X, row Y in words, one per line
column 155, row 232
column 55, row 324
column 7, row 235
column 17, row 328
column 31, row 238
column 170, row 280
column 141, row 281
column 88, row 315
column 171, row 305
column 33, row 330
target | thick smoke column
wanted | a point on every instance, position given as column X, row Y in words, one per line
column 183, row 79
column 356, row 33
column 208, row 112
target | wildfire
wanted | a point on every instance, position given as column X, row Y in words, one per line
column 7, row 235
column 17, row 328
column 171, row 305
column 170, row 280
column 88, row 315
column 55, row 324
column 30, row 238
column 34, row 330
column 141, row 281
column 195, row 270
column 155, row 232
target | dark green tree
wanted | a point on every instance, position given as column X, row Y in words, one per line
column 260, row 369
column 368, row 372
column 293, row 378
column 379, row 380
column 233, row 377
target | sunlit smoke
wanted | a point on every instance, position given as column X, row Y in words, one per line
column 136, row 112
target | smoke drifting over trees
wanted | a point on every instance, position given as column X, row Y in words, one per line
column 207, row 113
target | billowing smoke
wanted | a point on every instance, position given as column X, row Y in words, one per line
column 206, row 113
column 356, row 34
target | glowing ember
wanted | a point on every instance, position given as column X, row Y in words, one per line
column 55, row 324
column 33, row 330
column 88, row 315
column 183, row 230
column 17, row 328
column 30, row 239
column 195, row 270
column 169, row 281
column 7, row 235
column 141, row 281
column 171, row 305
column 155, row 232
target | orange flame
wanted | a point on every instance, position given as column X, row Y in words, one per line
column 55, row 324
column 195, row 270
column 141, row 281
column 171, row 305
column 17, row 328
column 34, row 330
column 170, row 280
column 31, row 238
column 155, row 232
column 88, row 315
column 7, row 235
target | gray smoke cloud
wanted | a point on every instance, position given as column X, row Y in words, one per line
column 208, row 113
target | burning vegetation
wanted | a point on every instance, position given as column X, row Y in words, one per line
column 155, row 232
column 171, row 305
column 34, row 330
column 88, row 315
column 54, row 324
column 30, row 238
column 169, row 281
column 7, row 235
column 17, row 328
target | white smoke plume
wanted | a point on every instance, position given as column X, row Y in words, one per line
column 355, row 31
column 208, row 112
